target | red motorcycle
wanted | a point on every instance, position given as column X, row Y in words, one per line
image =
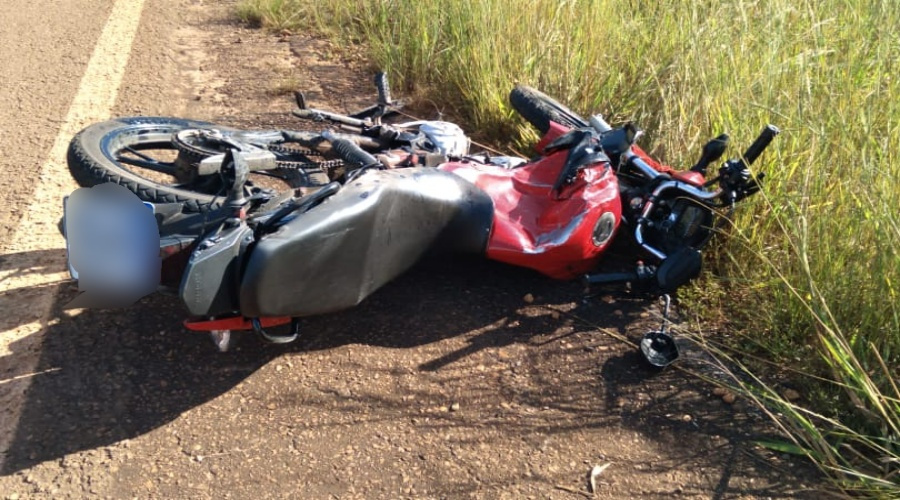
column 367, row 202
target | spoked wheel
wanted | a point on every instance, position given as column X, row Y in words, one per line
column 157, row 157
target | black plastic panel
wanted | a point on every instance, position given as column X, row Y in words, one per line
column 210, row 283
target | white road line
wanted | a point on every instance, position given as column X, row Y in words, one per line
column 28, row 275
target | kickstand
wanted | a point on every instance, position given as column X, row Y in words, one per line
column 659, row 347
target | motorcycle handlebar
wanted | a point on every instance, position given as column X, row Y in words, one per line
column 313, row 140
column 760, row 144
column 637, row 162
column 384, row 90
column 350, row 152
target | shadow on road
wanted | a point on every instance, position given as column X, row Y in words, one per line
column 120, row 374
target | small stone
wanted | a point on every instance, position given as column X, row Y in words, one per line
column 271, row 406
column 13, row 496
column 729, row 397
column 686, row 418
column 595, row 474
column 528, row 298
column 278, row 368
column 454, row 407
column 791, row 395
column 719, row 391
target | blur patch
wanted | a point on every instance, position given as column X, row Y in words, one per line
column 113, row 245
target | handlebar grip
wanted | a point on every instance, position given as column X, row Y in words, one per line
column 350, row 152
column 384, row 90
column 760, row 144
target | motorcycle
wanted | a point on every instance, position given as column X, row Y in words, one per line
column 367, row 200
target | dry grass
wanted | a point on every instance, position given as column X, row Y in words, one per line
column 815, row 261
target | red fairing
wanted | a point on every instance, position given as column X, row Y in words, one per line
column 695, row 178
column 551, row 232
column 540, row 229
column 555, row 131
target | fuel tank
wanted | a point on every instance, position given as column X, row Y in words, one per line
column 561, row 234
column 375, row 228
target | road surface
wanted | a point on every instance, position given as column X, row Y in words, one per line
column 446, row 384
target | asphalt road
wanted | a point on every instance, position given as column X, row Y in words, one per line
column 44, row 48
column 446, row 384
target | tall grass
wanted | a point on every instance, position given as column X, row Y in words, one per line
column 814, row 263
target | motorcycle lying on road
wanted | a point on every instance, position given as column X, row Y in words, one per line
column 367, row 201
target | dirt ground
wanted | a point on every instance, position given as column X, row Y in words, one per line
column 447, row 383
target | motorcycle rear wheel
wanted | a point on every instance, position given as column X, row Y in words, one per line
column 539, row 109
column 141, row 153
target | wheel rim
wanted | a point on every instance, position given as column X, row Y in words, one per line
column 149, row 151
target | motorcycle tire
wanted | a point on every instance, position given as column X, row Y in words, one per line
column 539, row 109
column 94, row 158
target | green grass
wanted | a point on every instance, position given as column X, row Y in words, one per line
column 812, row 265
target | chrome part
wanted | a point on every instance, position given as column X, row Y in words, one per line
column 599, row 123
column 257, row 159
column 689, row 189
column 639, row 239
column 276, row 339
column 659, row 347
column 224, row 339
column 632, row 158
column 604, row 229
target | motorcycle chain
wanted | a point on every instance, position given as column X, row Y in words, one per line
column 188, row 155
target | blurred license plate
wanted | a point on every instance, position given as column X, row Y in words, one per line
column 72, row 271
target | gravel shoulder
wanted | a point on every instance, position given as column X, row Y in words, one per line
column 448, row 383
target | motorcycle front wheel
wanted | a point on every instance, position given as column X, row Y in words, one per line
column 148, row 156
column 539, row 109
